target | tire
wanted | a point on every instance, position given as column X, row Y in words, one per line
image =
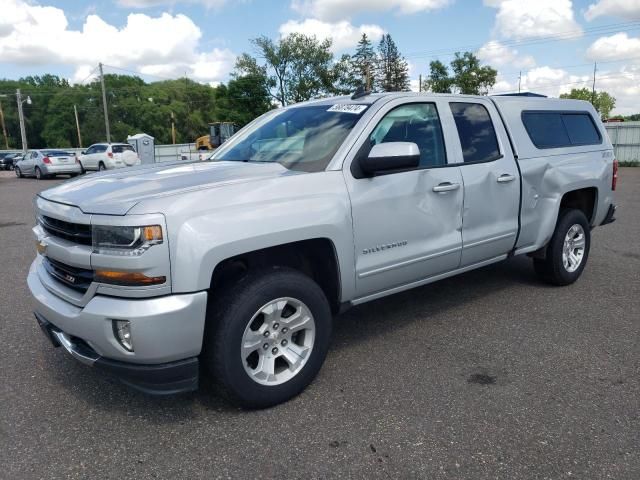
column 101, row 167
column 82, row 170
column 235, row 318
column 18, row 172
column 38, row 174
column 559, row 267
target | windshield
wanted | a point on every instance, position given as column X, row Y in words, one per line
column 301, row 138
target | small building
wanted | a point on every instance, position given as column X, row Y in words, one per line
column 145, row 145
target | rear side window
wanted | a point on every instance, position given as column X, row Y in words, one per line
column 99, row 148
column 561, row 129
column 477, row 135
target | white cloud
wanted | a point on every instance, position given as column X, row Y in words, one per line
column 615, row 47
column 627, row 9
column 533, row 18
column 41, row 35
column 158, row 3
column 332, row 10
column 496, row 54
column 344, row 34
column 623, row 84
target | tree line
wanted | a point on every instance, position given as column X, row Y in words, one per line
column 278, row 72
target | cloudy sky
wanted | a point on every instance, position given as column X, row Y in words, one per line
column 553, row 44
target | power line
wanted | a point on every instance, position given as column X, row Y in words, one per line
column 618, row 28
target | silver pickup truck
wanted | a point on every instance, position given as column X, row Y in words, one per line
column 237, row 264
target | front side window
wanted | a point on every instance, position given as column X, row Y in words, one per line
column 299, row 138
column 477, row 135
column 99, row 148
column 417, row 123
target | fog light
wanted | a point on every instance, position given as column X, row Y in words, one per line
column 122, row 331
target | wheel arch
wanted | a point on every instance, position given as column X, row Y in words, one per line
column 315, row 257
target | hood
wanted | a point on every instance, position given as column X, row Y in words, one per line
column 116, row 192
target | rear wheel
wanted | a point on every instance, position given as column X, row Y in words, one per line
column 101, row 167
column 267, row 337
column 567, row 251
column 38, row 173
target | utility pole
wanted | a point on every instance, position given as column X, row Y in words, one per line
column 104, row 105
column 519, row 81
column 593, row 88
column 75, row 112
column 420, row 83
column 23, row 132
column 4, row 128
column 173, row 128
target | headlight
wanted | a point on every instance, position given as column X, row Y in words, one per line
column 117, row 240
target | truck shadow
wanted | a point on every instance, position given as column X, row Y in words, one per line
column 368, row 320
column 360, row 324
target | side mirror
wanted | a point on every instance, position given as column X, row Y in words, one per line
column 83, row 152
column 385, row 157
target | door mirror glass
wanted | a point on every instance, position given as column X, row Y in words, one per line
column 391, row 156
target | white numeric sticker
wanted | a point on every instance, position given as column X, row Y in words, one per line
column 348, row 108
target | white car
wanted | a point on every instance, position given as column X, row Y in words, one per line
column 107, row 156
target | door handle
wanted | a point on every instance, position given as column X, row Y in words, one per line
column 506, row 177
column 446, row 187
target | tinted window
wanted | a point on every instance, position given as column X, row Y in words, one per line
column 560, row 129
column 476, row 132
column 580, row 129
column 56, row 153
column 122, row 148
column 418, row 123
column 99, row 148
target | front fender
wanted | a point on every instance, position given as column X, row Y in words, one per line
column 207, row 227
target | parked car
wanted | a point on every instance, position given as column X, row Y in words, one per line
column 240, row 262
column 7, row 160
column 107, row 156
column 47, row 163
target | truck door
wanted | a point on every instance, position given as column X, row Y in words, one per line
column 491, row 182
column 407, row 225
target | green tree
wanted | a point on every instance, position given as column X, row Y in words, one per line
column 602, row 101
column 467, row 76
column 438, row 80
column 298, row 67
column 470, row 77
column 392, row 72
column 363, row 62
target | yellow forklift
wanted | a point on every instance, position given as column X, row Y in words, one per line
column 219, row 132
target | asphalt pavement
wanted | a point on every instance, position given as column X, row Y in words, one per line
column 490, row 374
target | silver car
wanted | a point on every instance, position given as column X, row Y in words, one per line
column 48, row 163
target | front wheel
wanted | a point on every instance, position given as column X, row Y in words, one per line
column 567, row 251
column 18, row 172
column 267, row 338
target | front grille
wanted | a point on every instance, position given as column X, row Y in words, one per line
column 77, row 278
column 74, row 232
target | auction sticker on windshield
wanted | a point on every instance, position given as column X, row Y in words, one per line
column 348, row 108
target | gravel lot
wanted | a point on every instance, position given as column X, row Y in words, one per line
column 487, row 375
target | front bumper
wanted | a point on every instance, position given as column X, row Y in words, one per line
column 164, row 329
column 161, row 379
